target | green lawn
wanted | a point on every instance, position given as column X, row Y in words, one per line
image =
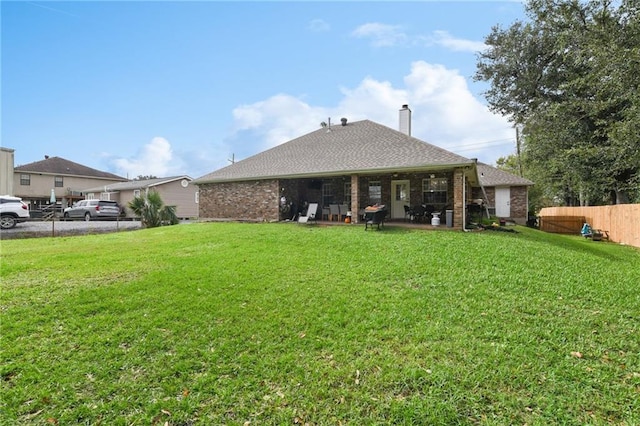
column 226, row 323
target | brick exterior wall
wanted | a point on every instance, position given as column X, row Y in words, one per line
column 490, row 198
column 355, row 190
column 253, row 201
column 458, row 200
column 519, row 204
column 519, row 201
column 260, row 200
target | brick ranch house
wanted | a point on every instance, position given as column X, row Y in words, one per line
column 358, row 164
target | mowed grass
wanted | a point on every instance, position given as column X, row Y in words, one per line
column 254, row 324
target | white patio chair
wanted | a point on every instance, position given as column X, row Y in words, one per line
column 312, row 210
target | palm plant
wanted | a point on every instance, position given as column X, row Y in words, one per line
column 152, row 210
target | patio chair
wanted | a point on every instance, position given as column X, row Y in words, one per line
column 343, row 211
column 374, row 216
column 334, row 212
column 408, row 213
column 428, row 212
column 419, row 213
column 325, row 213
column 312, row 210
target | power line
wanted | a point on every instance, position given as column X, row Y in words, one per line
column 488, row 144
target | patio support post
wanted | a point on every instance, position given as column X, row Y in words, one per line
column 355, row 201
column 458, row 198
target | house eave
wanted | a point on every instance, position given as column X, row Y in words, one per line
column 508, row 184
column 334, row 173
column 70, row 175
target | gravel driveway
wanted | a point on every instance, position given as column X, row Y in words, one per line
column 32, row 228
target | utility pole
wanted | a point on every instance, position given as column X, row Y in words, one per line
column 518, row 150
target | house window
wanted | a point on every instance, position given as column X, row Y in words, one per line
column 25, row 180
column 105, row 196
column 375, row 192
column 91, row 196
column 136, row 193
column 327, row 194
column 58, row 182
column 434, row 190
column 347, row 194
column 197, row 197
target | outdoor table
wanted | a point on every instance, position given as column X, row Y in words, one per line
column 374, row 216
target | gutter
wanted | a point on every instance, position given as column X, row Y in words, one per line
column 334, row 173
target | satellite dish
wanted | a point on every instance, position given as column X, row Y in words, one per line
column 323, row 124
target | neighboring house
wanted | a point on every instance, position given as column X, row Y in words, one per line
column 358, row 164
column 505, row 194
column 175, row 191
column 6, row 171
column 34, row 182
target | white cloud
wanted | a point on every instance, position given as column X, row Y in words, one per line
column 444, row 39
column 447, row 114
column 385, row 35
column 444, row 113
column 319, row 25
column 155, row 158
column 381, row 35
column 278, row 119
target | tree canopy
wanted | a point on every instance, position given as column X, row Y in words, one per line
column 570, row 76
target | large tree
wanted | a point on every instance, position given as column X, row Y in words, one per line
column 570, row 75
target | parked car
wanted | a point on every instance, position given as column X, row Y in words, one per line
column 12, row 211
column 92, row 209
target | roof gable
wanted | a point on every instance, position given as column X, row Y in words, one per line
column 64, row 167
column 359, row 147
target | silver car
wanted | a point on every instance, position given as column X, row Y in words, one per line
column 92, row 209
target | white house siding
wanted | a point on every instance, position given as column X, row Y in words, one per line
column 6, row 171
column 172, row 194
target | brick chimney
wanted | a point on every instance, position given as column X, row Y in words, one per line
column 405, row 120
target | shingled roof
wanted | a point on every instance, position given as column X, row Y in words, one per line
column 63, row 167
column 491, row 176
column 359, row 147
column 138, row 184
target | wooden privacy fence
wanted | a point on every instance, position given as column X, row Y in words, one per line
column 562, row 224
column 621, row 221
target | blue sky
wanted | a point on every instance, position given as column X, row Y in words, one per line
column 169, row 88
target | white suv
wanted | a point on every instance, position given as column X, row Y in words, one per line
column 12, row 211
